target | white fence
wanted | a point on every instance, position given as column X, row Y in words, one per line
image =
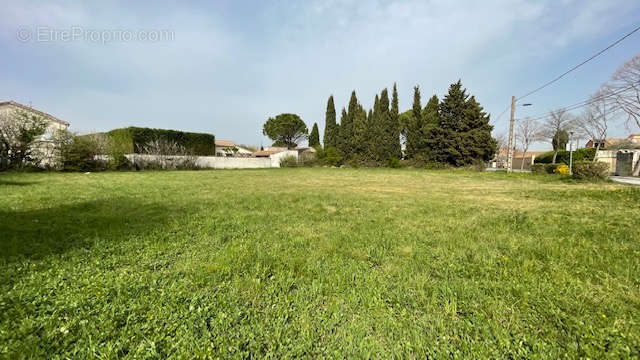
column 219, row 162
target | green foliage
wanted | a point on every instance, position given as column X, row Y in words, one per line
column 19, row 134
column 560, row 140
column 200, row 144
column 414, row 128
column 584, row 154
column 331, row 130
column 590, row 170
column 314, row 137
column 317, row 263
column 330, row 156
column 289, row 161
column 463, row 134
column 81, row 153
column 286, row 130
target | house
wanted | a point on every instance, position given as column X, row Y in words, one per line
column 45, row 146
column 607, row 143
column 527, row 158
column 228, row 148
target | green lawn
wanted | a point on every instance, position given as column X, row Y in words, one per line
column 317, row 263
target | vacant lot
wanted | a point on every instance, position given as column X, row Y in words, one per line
column 317, row 263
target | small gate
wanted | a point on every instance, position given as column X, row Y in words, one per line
column 624, row 163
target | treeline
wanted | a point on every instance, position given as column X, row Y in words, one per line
column 454, row 131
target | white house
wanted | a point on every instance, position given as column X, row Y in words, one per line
column 45, row 143
column 228, row 148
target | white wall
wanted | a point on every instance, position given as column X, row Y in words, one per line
column 218, row 162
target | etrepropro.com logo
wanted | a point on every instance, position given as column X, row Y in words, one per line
column 103, row 36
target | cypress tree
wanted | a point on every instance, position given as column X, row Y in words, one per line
column 414, row 125
column 383, row 147
column 346, row 126
column 314, row 136
column 463, row 133
column 394, row 126
column 430, row 120
column 343, row 133
column 330, row 126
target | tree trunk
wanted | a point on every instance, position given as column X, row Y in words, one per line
column 596, row 154
column 524, row 154
column 636, row 171
column 555, row 154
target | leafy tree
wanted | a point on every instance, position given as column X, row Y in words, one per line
column 331, row 136
column 314, row 137
column 285, row 130
column 560, row 140
column 19, row 134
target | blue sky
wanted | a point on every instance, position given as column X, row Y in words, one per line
column 231, row 64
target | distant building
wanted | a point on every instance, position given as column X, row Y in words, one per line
column 44, row 145
column 228, row 148
column 607, row 143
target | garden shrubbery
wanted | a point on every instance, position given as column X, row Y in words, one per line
column 289, row 161
column 589, row 170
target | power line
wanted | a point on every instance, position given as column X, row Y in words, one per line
column 584, row 103
column 579, row 65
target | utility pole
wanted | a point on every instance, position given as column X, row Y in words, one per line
column 511, row 125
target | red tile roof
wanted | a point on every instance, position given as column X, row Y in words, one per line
column 225, row 143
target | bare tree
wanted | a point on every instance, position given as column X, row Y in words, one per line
column 624, row 88
column 528, row 131
column 554, row 126
column 596, row 118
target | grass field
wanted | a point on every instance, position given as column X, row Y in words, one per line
column 317, row 263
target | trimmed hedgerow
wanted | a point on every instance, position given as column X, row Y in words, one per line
column 196, row 143
column 584, row 154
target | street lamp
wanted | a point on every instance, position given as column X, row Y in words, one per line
column 570, row 152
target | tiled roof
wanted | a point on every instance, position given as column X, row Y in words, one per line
column 225, row 143
column 41, row 113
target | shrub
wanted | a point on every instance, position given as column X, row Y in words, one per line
column 538, row 168
column 589, row 170
column 561, row 169
column 394, row 163
column 82, row 153
column 331, row 156
column 289, row 161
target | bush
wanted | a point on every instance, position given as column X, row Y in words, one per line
column 289, row 161
column 561, row 169
column 135, row 139
column 584, row 154
column 331, row 156
column 589, row 170
column 538, row 168
column 81, row 153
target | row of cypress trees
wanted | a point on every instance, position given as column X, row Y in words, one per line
column 453, row 131
column 365, row 136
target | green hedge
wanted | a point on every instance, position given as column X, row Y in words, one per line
column 589, row 170
column 197, row 143
column 585, row 154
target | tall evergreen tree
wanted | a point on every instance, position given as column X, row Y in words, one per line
column 394, row 126
column 346, row 126
column 463, row 133
column 344, row 132
column 414, row 126
column 314, row 136
column 330, row 127
column 431, row 120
